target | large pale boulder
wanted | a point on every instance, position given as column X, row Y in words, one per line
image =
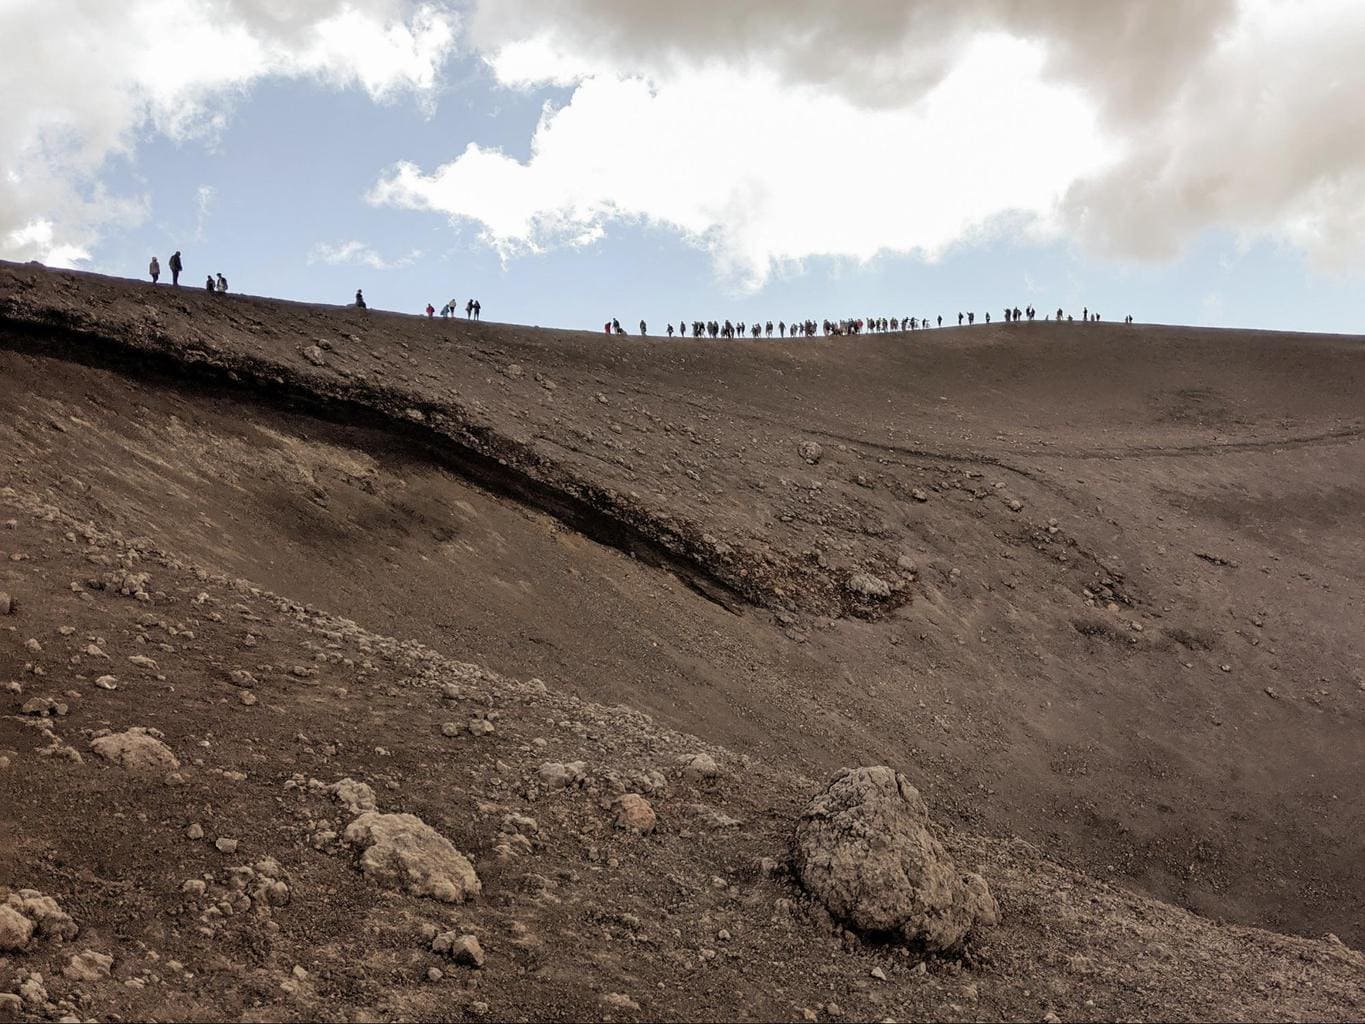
column 404, row 852
column 864, row 849
column 138, row 749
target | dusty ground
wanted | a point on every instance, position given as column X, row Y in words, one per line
column 1112, row 633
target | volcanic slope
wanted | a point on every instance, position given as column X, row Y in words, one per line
column 1096, row 587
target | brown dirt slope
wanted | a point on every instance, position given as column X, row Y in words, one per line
column 1112, row 608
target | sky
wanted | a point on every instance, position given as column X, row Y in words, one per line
column 568, row 161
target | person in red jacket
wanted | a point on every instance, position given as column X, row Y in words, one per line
column 431, row 310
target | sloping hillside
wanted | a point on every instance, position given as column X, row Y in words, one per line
column 1094, row 587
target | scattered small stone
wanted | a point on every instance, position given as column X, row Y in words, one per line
column 619, row 1001
column 810, row 451
column 634, row 813
column 90, row 966
column 918, row 494
column 462, row 949
column 195, row 831
column 246, row 697
column 6, row 604
column 225, row 845
column 869, row 587
column 107, row 682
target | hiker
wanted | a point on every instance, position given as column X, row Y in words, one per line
column 616, row 326
column 670, row 330
column 988, row 318
column 469, row 310
column 1059, row 314
column 222, row 284
column 642, row 329
column 959, row 319
column 478, row 306
column 154, row 268
column 431, row 311
column 940, row 319
column 971, row 319
column 176, row 267
column 606, row 327
column 209, row 285
column 1085, row 313
column 359, row 300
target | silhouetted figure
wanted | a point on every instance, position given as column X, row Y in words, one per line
column 469, row 310
column 940, row 320
column 670, row 330
column 988, row 318
column 359, row 299
column 154, row 269
column 176, row 267
column 478, row 308
column 1085, row 313
column 222, row 284
column 209, row 286
column 959, row 319
column 1059, row 314
column 431, row 311
column 642, row 329
column 782, row 328
column 971, row 319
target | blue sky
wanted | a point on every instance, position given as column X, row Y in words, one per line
column 290, row 169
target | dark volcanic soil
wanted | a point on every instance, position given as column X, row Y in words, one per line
column 1097, row 587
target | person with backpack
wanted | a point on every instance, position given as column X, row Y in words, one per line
column 154, row 268
column 222, row 284
column 431, row 311
column 209, row 286
column 176, row 266
column 478, row 306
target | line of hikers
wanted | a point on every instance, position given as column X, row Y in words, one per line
column 828, row 328
column 217, row 286
column 472, row 308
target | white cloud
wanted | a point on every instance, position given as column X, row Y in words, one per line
column 767, row 131
column 82, row 81
column 358, row 254
column 761, row 172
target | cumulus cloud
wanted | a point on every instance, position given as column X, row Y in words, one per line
column 772, row 130
column 354, row 253
column 84, row 81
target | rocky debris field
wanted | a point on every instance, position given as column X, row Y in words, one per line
column 331, row 848
column 261, row 763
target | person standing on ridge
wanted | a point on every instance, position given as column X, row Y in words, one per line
column 222, row 284
column 431, row 311
column 478, row 306
column 209, row 286
column 176, row 267
column 154, row 268
column 643, row 332
column 359, row 299
column 469, row 310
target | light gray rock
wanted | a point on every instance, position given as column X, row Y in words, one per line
column 401, row 851
column 90, row 966
column 868, row 587
column 137, row 749
column 864, row 850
